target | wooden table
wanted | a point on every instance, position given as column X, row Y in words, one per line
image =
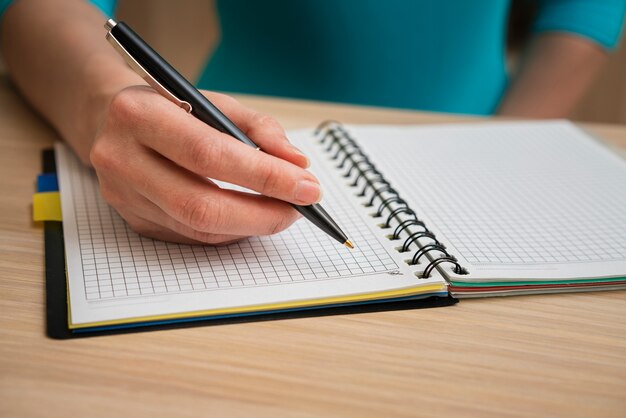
column 550, row 355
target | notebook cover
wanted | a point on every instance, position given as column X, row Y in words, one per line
column 57, row 308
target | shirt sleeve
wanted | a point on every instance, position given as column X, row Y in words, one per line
column 600, row 21
column 4, row 4
column 108, row 6
column 105, row 6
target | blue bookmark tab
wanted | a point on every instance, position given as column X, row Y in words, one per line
column 47, row 183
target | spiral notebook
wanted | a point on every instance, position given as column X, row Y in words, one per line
column 499, row 208
column 477, row 209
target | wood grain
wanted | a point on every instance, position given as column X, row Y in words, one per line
column 557, row 355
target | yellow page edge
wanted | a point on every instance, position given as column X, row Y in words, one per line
column 266, row 307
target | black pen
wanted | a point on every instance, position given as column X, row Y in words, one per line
column 168, row 82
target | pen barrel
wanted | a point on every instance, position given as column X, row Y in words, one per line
column 175, row 83
column 183, row 91
column 318, row 216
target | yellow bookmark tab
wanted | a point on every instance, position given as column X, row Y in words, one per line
column 47, row 206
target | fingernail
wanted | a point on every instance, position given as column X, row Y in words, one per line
column 301, row 154
column 308, row 192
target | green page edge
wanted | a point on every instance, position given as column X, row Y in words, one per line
column 526, row 283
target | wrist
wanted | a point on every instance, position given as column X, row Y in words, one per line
column 103, row 77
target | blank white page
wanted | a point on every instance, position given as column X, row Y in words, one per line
column 512, row 200
column 116, row 274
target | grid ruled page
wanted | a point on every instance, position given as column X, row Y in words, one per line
column 524, row 200
column 115, row 272
column 118, row 262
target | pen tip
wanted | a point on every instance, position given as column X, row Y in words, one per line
column 349, row 244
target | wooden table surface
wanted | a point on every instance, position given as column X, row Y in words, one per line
column 549, row 355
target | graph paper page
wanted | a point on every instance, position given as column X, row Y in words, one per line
column 516, row 200
column 115, row 273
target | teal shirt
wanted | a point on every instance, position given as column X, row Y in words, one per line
column 417, row 54
column 445, row 55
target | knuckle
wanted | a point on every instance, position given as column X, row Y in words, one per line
column 263, row 119
column 206, row 155
column 280, row 223
column 200, row 213
column 124, row 106
column 266, row 123
column 98, row 154
column 102, row 156
column 268, row 177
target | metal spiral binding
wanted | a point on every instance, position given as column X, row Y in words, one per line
column 376, row 188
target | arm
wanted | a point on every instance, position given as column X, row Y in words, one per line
column 556, row 72
column 571, row 43
column 57, row 56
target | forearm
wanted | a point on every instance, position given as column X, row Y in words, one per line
column 57, row 56
column 552, row 77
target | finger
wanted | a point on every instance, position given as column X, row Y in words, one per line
column 202, row 206
column 154, row 230
column 147, row 219
column 205, row 151
column 264, row 130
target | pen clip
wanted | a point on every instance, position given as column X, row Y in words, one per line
column 138, row 68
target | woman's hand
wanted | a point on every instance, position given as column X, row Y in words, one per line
column 152, row 159
column 153, row 162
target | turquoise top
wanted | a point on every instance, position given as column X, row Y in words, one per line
column 445, row 55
